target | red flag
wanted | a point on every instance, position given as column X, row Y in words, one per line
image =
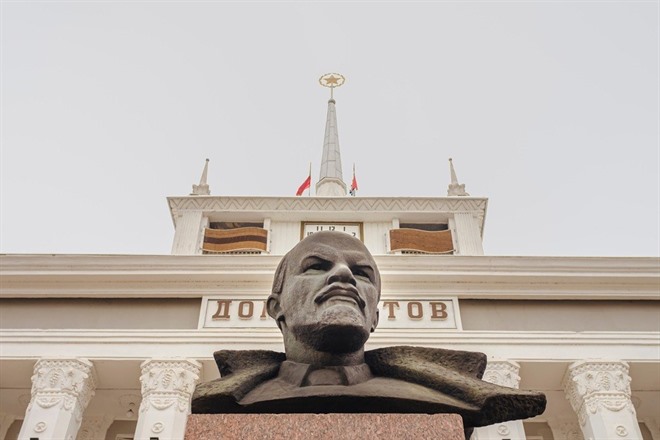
column 306, row 184
column 354, row 185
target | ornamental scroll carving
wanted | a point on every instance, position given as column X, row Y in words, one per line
column 168, row 384
column 69, row 383
column 598, row 385
column 503, row 373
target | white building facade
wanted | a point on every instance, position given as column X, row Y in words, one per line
column 111, row 346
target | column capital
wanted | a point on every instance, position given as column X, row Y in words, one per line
column 168, row 382
column 64, row 382
column 594, row 385
column 61, row 390
column 503, row 372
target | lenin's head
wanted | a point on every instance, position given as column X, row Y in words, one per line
column 325, row 294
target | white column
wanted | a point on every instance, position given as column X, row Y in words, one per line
column 167, row 387
column 468, row 237
column 565, row 428
column 5, row 422
column 94, row 427
column 189, row 233
column 505, row 373
column 599, row 392
column 61, row 390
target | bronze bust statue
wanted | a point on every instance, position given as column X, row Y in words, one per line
column 325, row 301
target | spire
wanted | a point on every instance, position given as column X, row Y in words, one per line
column 203, row 188
column 331, row 182
column 455, row 189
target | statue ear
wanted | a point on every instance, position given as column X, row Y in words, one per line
column 375, row 323
column 278, row 280
column 274, row 309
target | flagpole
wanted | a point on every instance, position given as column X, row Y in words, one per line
column 353, row 191
column 309, row 190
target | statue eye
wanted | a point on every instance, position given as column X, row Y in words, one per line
column 318, row 265
column 363, row 273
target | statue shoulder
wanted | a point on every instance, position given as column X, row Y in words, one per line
column 406, row 358
column 240, row 371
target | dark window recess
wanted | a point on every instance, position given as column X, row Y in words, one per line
column 235, row 225
column 425, row 226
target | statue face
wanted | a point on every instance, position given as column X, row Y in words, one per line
column 329, row 298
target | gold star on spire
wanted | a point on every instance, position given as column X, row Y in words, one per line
column 332, row 80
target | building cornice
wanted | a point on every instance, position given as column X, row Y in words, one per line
column 339, row 208
column 496, row 277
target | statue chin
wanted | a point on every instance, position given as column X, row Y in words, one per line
column 332, row 337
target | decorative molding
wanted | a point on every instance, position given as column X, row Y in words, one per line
column 621, row 431
column 158, row 427
column 359, row 204
column 594, row 386
column 291, row 205
column 503, row 429
column 503, row 372
column 69, row 383
column 168, row 383
column 40, row 427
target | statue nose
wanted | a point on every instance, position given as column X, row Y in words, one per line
column 341, row 273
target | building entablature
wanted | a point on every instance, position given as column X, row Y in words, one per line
column 496, row 277
column 249, row 208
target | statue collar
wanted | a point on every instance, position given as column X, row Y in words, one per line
column 302, row 375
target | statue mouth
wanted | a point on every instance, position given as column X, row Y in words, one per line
column 340, row 290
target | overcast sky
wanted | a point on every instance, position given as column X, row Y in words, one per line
column 549, row 109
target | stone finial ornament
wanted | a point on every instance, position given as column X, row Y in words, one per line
column 455, row 188
column 203, row 188
column 325, row 302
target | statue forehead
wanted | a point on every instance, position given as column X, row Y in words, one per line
column 329, row 242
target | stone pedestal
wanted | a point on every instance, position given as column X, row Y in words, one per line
column 324, row 426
